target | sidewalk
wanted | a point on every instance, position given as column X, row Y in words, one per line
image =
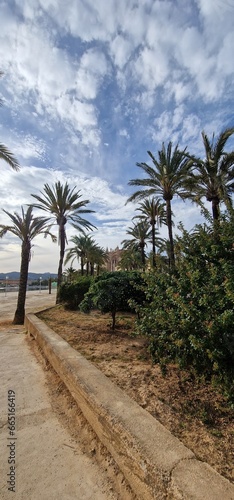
column 35, row 301
column 37, row 454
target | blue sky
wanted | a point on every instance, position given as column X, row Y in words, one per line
column 89, row 87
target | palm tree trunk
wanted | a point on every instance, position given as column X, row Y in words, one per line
column 20, row 309
column 60, row 267
column 142, row 246
column 215, row 209
column 82, row 265
column 153, row 242
column 216, row 219
column 170, row 234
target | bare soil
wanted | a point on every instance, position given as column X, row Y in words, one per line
column 191, row 409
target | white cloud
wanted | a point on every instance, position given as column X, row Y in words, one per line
column 30, row 147
column 217, row 20
column 124, row 133
column 225, row 59
column 120, row 50
column 35, row 53
column 177, row 126
column 84, row 19
column 92, row 70
column 178, row 88
column 178, row 116
column 191, row 52
column 151, row 68
column 39, row 65
column 146, row 99
column 79, row 113
column 8, row 26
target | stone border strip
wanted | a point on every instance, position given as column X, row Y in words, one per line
column 154, row 462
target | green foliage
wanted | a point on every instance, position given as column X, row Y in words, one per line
column 72, row 294
column 190, row 316
column 111, row 292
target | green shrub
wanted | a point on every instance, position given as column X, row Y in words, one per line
column 112, row 292
column 190, row 314
column 72, row 294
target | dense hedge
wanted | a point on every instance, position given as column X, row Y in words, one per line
column 71, row 294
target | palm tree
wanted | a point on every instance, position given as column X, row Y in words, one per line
column 70, row 274
column 64, row 205
column 87, row 252
column 165, row 179
column 140, row 233
column 26, row 227
column 153, row 210
column 78, row 251
column 130, row 260
column 213, row 178
column 90, row 252
column 97, row 258
column 5, row 154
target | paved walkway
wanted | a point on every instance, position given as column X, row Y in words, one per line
column 38, row 458
column 35, row 301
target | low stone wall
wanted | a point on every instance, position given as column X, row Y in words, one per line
column 154, row 462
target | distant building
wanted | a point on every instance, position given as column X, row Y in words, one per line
column 114, row 257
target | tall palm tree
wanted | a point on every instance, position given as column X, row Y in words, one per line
column 153, row 210
column 64, row 205
column 26, row 227
column 5, row 154
column 213, row 177
column 140, row 233
column 90, row 251
column 165, row 179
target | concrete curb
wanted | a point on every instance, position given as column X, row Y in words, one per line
column 154, row 462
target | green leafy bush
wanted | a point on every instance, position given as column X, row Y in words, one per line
column 190, row 314
column 112, row 292
column 72, row 294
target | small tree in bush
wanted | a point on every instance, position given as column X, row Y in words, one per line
column 111, row 292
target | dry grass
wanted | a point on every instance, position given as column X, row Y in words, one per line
column 193, row 411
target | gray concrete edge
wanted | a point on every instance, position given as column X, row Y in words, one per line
column 154, row 462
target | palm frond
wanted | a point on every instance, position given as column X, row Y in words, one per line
column 218, row 149
column 8, row 157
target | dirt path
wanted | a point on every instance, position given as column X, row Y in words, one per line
column 44, row 460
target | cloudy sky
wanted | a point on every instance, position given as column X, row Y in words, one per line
column 89, row 87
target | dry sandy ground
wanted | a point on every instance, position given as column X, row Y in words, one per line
column 38, row 454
